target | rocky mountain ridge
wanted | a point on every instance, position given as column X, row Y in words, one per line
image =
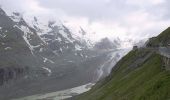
column 34, row 55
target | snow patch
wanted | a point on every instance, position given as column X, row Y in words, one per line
column 8, row 48
column 26, row 29
column 47, row 60
column 25, row 36
column 37, row 46
column 81, row 55
column 77, row 47
column 59, row 39
column 55, row 52
column 16, row 18
column 61, row 49
column 41, row 25
column 3, row 35
column 41, row 50
column 65, row 35
column 47, row 69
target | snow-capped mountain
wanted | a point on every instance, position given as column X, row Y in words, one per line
column 47, row 55
column 45, row 44
column 53, row 33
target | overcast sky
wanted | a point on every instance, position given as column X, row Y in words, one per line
column 135, row 19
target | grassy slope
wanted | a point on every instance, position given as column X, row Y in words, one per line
column 145, row 82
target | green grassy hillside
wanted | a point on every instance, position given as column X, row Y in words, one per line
column 162, row 39
column 138, row 76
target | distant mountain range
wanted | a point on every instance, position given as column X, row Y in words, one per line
column 48, row 55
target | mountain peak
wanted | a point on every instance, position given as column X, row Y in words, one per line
column 82, row 31
column 2, row 12
column 35, row 19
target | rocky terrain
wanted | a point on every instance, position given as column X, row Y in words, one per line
column 35, row 55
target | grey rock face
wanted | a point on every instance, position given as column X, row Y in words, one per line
column 54, row 60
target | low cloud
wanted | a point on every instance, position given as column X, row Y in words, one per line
column 134, row 19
